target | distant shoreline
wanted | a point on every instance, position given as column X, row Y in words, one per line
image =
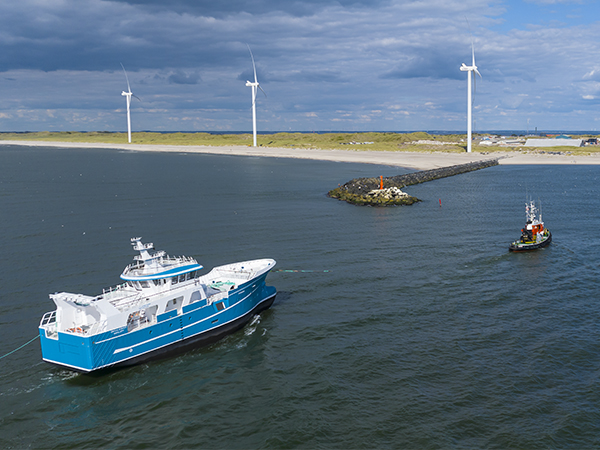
column 408, row 159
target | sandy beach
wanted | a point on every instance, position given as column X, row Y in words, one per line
column 413, row 160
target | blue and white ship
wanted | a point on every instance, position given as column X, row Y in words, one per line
column 164, row 306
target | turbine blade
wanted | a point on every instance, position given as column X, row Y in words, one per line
column 253, row 65
column 477, row 72
column 472, row 45
column 468, row 26
column 126, row 77
column 262, row 90
column 133, row 95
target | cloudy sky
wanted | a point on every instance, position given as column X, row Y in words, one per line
column 348, row 65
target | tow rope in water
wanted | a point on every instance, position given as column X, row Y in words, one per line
column 19, row 348
column 301, row 271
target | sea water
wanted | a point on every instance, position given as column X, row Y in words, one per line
column 401, row 327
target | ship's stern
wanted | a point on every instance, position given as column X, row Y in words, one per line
column 69, row 350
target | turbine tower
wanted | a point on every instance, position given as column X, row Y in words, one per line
column 255, row 86
column 470, row 69
column 128, row 96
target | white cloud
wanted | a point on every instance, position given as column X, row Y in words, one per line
column 555, row 2
column 319, row 62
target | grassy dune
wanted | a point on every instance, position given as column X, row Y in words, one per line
column 344, row 141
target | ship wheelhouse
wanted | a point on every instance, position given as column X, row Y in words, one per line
column 155, row 268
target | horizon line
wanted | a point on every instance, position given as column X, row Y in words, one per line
column 266, row 133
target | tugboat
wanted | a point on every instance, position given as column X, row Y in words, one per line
column 164, row 306
column 534, row 235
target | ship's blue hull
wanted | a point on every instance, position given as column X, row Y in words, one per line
column 197, row 324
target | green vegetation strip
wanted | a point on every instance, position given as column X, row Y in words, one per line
column 345, row 141
column 393, row 142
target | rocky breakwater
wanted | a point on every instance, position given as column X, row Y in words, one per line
column 387, row 191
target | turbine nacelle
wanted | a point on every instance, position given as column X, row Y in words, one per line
column 473, row 68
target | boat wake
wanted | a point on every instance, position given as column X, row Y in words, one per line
column 251, row 327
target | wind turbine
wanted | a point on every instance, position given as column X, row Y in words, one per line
column 128, row 96
column 470, row 69
column 255, row 86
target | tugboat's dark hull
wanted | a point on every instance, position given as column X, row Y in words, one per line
column 520, row 247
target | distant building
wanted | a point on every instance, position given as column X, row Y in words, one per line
column 562, row 142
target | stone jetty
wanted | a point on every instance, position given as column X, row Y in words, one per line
column 367, row 191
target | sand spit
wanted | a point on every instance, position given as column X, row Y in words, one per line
column 419, row 161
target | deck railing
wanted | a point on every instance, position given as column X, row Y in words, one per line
column 138, row 297
column 162, row 260
column 113, row 288
column 48, row 318
column 97, row 327
column 48, row 322
column 246, row 273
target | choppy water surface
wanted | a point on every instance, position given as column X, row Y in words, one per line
column 424, row 333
